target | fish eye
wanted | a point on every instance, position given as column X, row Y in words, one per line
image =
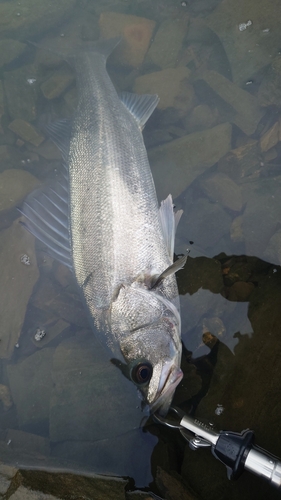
column 142, row 373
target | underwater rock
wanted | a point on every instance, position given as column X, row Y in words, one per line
column 16, row 283
column 240, row 291
column 246, row 385
column 5, row 397
column 20, row 94
column 200, row 118
column 172, row 486
column 167, row 43
column 88, row 393
column 249, row 51
column 74, row 486
column 31, row 385
column 262, row 214
column 7, row 473
column 136, row 33
column 273, row 250
column 23, row 493
column 26, row 131
column 15, row 184
column 10, row 50
column 242, row 162
column 219, row 188
column 241, row 107
column 172, row 87
column 269, row 92
column 270, row 138
column 32, row 18
column 205, row 223
column 176, row 165
column 236, row 231
column 47, row 150
column 28, row 443
column 10, row 157
column 200, row 272
column 57, row 83
column 2, row 98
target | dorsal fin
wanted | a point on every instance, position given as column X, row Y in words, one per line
column 140, row 106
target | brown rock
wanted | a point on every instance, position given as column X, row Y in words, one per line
column 57, row 83
column 200, row 118
column 172, row 87
column 246, row 112
column 270, row 138
column 5, row 397
column 136, row 33
column 167, row 43
column 14, row 186
column 26, row 131
column 241, row 162
column 221, row 189
column 240, row 291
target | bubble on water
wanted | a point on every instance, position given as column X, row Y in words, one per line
column 244, row 26
column 39, row 335
column 25, row 260
column 31, row 81
column 219, row 409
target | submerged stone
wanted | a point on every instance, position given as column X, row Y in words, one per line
column 31, row 385
column 16, row 284
column 270, row 138
column 10, row 50
column 10, row 157
column 269, row 92
column 88, row 393
column 248, row 51
column 57, row 83
column 21, row 96
column 26, row 20
column 26, row 131
column 172, row 87
column 176, row 165
column 243, row 108
column 221, row 189
column 242, row 162
column 14, row 186
column 136, row 33
column 167, row 43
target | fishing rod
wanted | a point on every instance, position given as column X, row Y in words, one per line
column 235, row 450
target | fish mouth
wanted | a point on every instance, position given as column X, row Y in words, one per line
column 163, row 401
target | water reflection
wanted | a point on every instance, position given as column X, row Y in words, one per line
column 214, row 143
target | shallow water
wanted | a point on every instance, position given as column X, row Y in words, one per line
column 214, row 144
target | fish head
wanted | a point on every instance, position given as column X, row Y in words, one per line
column 151, row 346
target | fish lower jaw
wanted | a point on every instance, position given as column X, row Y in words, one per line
column 164, row 398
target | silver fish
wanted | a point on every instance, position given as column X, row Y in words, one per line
column 102, row 220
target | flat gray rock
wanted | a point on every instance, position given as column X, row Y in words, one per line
column 176, row 165
column 18, row 277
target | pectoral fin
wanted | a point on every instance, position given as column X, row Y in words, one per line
column 176, row 266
